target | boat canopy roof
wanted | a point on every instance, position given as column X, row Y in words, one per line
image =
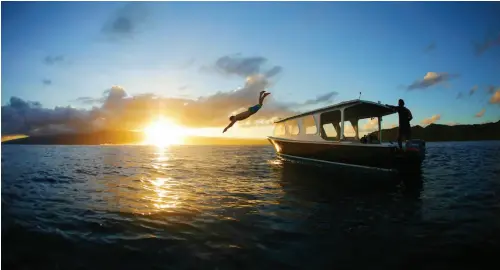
column 357, row 108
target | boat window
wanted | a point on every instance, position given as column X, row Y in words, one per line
column 349, row 132
column 330, row 128
column 309, row 125
column 367, row 126
column 329, row 132
column 292, row 127
column 279, row 129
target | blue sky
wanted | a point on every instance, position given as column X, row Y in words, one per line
column 376, row 48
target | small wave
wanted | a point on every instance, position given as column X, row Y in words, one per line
column 233, row 207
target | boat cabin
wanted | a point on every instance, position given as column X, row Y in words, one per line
column 330, row 123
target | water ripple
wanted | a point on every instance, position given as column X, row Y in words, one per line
column 192, row 207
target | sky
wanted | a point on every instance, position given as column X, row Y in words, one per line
column 91, row 65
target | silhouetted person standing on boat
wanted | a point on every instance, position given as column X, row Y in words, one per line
column 405, row 117
column 251, row 110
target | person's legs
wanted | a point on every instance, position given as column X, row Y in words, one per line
column 400, row 138
column 408, row 134
column 260, row 96
column 263, row 95
column 404, row 134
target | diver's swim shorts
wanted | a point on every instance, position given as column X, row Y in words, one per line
column 255, row 108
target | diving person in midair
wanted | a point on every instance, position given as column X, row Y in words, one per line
column 251, row 110
column 405, row 117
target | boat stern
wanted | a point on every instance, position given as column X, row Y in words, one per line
column 416, row 147
column 411, row 156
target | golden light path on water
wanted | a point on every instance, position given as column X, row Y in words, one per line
column 164, row 196
column 174, row 183
column 161, row 134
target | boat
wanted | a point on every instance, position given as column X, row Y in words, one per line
column 318, row 136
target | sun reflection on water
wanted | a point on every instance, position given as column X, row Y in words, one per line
column 161, row 154
column 162, row 189
column 158, row 182
column 162, row 193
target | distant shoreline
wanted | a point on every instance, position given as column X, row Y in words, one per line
column 123, row 138
column 493, row 140
column 430, row 133
column 263, row 143
column 445, row 133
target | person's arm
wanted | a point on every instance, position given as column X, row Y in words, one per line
column 390, row 106
column 410, row 116
column 228, row 126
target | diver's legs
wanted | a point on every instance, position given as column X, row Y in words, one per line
column 262, row 97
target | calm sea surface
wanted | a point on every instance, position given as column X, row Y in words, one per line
column 212, row 207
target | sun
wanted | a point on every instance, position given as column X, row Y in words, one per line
column 163, row 132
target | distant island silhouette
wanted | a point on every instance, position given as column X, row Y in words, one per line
column 123, row 137
column 440, row 133
column 431, row 133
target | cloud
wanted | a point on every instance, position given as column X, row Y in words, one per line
column 491, row 89
column 431, row 79
column 88, row 100
column 182, row 88
column 431, row 120
column 117, row 109
column 322, row 98
column 473, row 90
column 125, row 23
column 489, row 42
column 121, row 111
column 46, row 82
column 215, row 109
column 495, row 98
column 26, row 117
column 430, row 47
column 480, row 114
column 242, row 66
column 371, row 125
column 52, row 60
column 452, row 123
column 459, row 95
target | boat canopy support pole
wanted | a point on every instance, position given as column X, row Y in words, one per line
column 354, row 124
column 342, row 124
column 319, row 128
column 380, row 129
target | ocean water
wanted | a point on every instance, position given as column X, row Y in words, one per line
column 240, row 207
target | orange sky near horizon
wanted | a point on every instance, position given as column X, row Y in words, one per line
column 237, row 131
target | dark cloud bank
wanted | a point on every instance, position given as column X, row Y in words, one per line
column 116, row 109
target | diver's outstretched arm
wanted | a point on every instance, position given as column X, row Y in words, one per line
column 228, row 126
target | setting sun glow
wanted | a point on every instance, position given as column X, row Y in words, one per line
column 163, row 132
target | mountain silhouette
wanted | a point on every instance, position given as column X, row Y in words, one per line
column 431, row 133
column 439, row 133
